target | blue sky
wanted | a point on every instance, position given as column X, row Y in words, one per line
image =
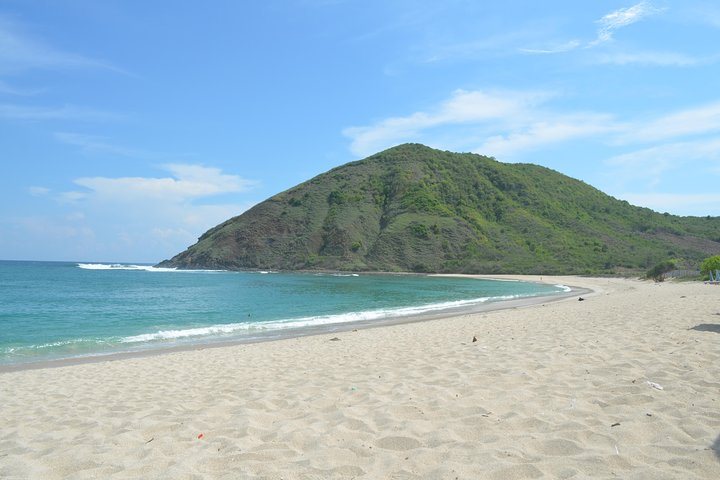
column 128, row 128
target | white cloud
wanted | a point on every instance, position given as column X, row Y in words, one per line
column 693, row 121
column 502, row 123
column 675, row 152
column 538, row 134
column 154, row 218
column 652, row 163
column 188, row 182
column 463, row 107
column 658, row 151
column 622, row 17
column 609, row 24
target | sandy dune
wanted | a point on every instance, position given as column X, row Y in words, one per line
column 625, row 384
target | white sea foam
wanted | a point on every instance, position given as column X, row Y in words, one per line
column 68, row 343
column 185, row 333
column 324, row 274
column 145, row 268
column 120, row 266
column 305, row 322
column 564, row 288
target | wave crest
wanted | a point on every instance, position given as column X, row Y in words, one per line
column 141, row 268
column 305, row 322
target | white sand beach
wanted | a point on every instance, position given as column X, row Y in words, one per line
column 625, row 384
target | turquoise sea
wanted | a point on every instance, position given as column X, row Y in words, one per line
column 54, row 310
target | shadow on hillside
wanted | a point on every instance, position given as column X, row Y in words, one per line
column 716, row 447
column 707, row 327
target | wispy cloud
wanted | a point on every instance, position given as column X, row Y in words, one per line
column 555, row 129
column 187, row 182
column 505, row 42
column 509, row 125
column 554, row 48
column 651, row 163
column 701, row 12
column 608, row 25
column 658, row 59
column 19, row 52
column 65, row 112
column 92, row 144
column 22, row 53
column 698, row 120
column 621, row 18
column 38, row 191
column 462, row 108
column 7, row 89
column 501, row 124
column 152, row 216
column 72, row 197
column 711, row 16
column 57, row 229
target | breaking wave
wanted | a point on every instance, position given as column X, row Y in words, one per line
column 144, row 268
column 305, row 322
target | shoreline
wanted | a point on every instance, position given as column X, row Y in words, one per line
column 625, row 384
column 315, row 330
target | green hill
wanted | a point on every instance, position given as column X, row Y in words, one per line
column 413, row 208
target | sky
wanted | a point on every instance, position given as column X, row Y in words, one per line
column 128, row 128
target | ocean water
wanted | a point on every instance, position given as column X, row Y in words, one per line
column 54, row 310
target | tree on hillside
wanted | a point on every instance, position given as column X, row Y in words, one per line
column 710, row 264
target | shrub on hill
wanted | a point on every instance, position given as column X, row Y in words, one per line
column 658, row 272
column 710, row 264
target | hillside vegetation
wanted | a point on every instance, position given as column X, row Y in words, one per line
column 413, row 208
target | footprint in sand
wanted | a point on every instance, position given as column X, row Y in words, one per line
column 398, row 443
